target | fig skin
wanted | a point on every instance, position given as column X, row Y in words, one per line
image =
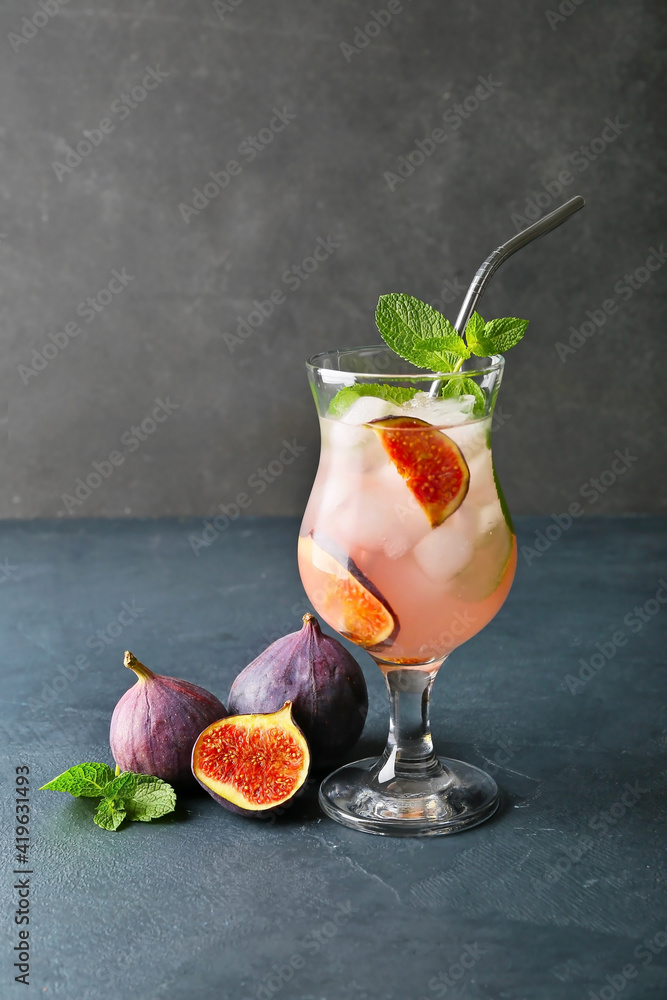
column 155, row 724
column 323, row 681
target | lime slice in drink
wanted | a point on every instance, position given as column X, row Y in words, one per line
column 487, row 568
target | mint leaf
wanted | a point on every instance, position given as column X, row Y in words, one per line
column 86, row 779
column 470, row 388
column 419, row 333
column 122, row 785
column 344, row 398
column 475, row 335
column 493, row 337
column 501, row 334
column 464, row 386
column 432, row 352
column 452, row 388
column 109, row 814
column 141, row 797
column 149, row 799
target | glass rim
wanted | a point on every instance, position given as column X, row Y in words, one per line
column 313, row 364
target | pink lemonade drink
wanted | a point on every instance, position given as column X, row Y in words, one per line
column 406, row 573
column 407, row 547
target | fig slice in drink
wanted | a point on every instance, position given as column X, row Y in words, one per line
column 431, row 464
column 348, row 600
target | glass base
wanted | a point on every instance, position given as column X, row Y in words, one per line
column 368, row 796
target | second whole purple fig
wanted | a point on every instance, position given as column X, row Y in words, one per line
column 322, row 680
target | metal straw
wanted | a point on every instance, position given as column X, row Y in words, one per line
column 500, row 255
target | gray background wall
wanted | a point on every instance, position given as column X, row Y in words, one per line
column 553, row 85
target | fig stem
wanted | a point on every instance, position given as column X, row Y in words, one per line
column 142, row 671
column 307, row 618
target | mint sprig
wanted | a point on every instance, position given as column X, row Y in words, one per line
column 418, row 333
column 139, row 797
column 424, row 337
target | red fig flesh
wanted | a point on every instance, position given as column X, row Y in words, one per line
column 251, row 764
column 155, row 724
column 322, row 680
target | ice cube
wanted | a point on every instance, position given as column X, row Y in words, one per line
column 482, row 488
column 470, row 437
column 490, row 516
column 364, row 521
column 350, row 441
column 381, row 515
column 335, row 490
column 445, row 551
column 369, row 408
column 339, row 436
column 440, row 412
column 409, row 522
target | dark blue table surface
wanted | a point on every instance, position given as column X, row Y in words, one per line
column 562, row 697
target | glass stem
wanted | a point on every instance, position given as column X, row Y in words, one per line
column 409, row 752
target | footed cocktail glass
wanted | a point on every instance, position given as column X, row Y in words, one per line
column 406, row 549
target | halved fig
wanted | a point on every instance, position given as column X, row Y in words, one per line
column 431, row 464
column 252, row 763
column 349, row 602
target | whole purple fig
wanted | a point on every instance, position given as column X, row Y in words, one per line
column 155, row 724
column 322, row 680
